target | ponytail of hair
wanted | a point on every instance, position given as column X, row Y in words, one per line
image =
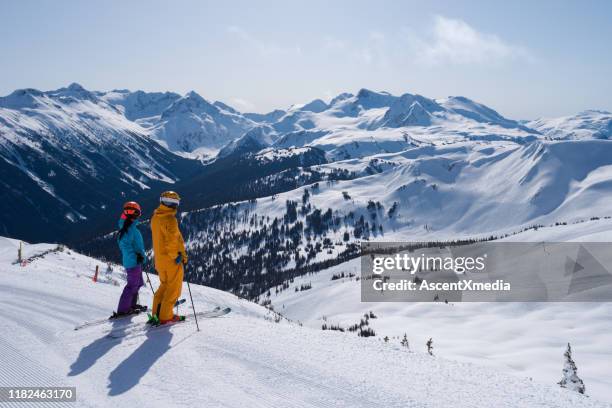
column 126, row 225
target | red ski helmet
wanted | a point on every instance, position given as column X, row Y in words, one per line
column 131, row 209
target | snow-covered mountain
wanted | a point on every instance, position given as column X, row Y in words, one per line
column 590, row 124
column 191, row 123
column 68, row 156
column 268, row 118
column 369, row 165
column 377, row 122
column 84, row 149
column 250, row 357
column 139, row 104
column 445, row 191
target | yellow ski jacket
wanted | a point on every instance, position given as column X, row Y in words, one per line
column 167, row 239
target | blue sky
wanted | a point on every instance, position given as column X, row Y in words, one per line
column 525, row 59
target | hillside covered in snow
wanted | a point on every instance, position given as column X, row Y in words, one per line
column 70, row 156
column 249, row 357
column 525, row 339
column 317, row 215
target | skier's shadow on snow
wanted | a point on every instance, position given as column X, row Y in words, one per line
column 132, row 369
column 94, row 351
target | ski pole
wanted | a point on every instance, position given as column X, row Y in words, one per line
column 195, row 316
column 149, row 280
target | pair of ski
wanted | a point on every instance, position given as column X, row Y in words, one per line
column 116, row 317
column 125, row 320
column 136, row 328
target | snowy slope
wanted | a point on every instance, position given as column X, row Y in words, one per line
column 66, row 152
column 66, row 155
column 377, row 122
column 463, row 189
column 139, row 105
column 590, row 124
column 191, row 122
column 269, row 117
column 235, row 361
column 184, row 124
column 527, row 339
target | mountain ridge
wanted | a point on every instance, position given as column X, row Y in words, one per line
column 57, row 145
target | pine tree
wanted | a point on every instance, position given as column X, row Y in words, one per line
column 429, row 345
column 405, row 343
column 570, row 379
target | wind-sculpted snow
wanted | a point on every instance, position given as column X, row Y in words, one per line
column 250, row 357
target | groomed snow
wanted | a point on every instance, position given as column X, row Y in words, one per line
column 238, row 360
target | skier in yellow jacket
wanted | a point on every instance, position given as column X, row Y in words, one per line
column 170, row 258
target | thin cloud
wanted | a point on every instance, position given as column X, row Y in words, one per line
column 243, row 105
column 262, row 47
column 332, row 43
column 373, row 51
column 448, row 41
column 455, row 41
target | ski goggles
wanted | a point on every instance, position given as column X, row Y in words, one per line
column 170, row 202
column 131, row 212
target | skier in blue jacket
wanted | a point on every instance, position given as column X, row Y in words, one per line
column 133, row 253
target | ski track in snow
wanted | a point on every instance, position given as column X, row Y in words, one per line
column 237, row 360
column 19, row 370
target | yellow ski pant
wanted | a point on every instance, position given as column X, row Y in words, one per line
column 170, row 286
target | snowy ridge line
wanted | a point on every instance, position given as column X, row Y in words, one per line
column 32, row 258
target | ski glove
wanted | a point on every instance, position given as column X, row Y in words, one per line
column 181, row 259
column 140, row 259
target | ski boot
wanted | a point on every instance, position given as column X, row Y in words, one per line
column 153, row 320
column 175, row 319
column 139, row 308
column 117, row 315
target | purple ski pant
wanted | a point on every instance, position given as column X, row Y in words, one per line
column 130, row 291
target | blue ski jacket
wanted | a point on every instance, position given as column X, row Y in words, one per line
column 131, row 244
